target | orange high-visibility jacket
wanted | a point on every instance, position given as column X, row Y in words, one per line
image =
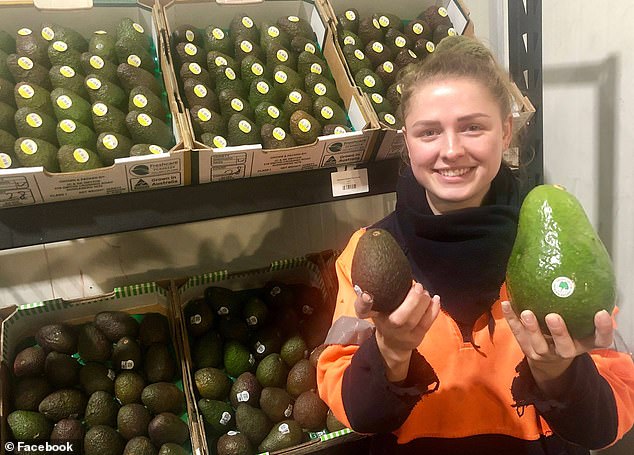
column 474, row 394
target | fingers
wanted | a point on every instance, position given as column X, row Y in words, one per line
column 413, row 307
column 564, row 344
column 604, row 329
column 363, row 305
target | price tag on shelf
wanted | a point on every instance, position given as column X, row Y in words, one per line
column 346, row 182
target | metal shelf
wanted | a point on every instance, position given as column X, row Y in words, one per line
column 67, row 220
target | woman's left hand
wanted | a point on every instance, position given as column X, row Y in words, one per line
column 549, row 356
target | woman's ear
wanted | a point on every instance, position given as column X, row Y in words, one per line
column 507, row 131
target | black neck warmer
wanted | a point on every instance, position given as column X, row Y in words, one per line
column 461, row 255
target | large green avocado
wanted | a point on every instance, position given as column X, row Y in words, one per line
column 558, row 263
column 380, row 268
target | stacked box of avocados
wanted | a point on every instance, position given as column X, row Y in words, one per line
column 252, row 340
column 260, row 90
column 80, row 89
column 98, row 376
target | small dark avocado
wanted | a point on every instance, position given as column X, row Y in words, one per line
column 136, row 56
column 199, row 317
column 62, row 404
column 62, row 370
column 424, row 48
column 68, row 430
column 217, row 59
column 404, row 57
column 29, row 43
column 380, row 103
column 76, row 134
column 393, row 94
column 301, row 44
column 443, row 31
column 252, row 422
column 133, row 420
column 388, row 21
column 286, row 79
column 261, row 91
column 154, row 328
column 128, row 387
column 93, row 344
column 172, row 449
column 380, row 268
column 68, row 78
column 302, row 377
column 57, row 337
column 327, row 111
column 219, row 415
column 132, row 32
column 102, row 43
column 116, row 324
column 29, row 426
column 226, row 78
column 207, row 350
column 126, row 354
column 270, row 113
column 108, row 119
column 159, row 363
column 244, row 47
column 276, row 54
column 31, row 123
column 270, row 33
column 355, row 58
column 390, row 120
column 60, row 53
column 140, row 445
column 145, row 128
column 350, row 39
column 144, row 100
column 29, row 362
column 334, row 128
column 388, row 72
column 296, row 100
column 29, row 392
column 245, row 389
column 186, row 52
column 232, row 102
column 224, row 301
column 102, row 439
column 234, row 443
column 311, row 63
column 105, row 91
column 94, row 376
column 69, row 105
column 32, row 96
column 272, row 371
column 310, row 411
column 167, row 427
column 212, row 383
column 252, row 68
column 284, row 434
column 101, row 409
column 163, row 397
column 24, row 69
column 397, row 41
column 193, row 70
column 435, row 16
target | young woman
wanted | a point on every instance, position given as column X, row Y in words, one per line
column 453, row 370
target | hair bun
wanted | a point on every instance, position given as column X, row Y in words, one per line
column 463, row 46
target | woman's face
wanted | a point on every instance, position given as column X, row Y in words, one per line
column 455, row 137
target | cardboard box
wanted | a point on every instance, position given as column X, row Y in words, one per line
column 25, row 186
column 19, row 325
column 314, row 270
column 226, row 163
column 391, row 144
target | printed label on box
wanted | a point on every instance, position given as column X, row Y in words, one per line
column 18, row 190
column 154, row 174
column 227, row 166
column 82, row 184
column 348, row 150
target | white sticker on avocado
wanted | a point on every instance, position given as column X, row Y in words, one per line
column 273, row 31
column 110, row 141
column 251, row 360
column 295, row 97
column 5, row 161
column 376, row 24
column 237, row 104
column 47, row 33
column 100, row 109
column 327, row 112
column 231, row 75
column 200, row 90
column 28, row 146
column 310, row 47
column 195, row 319
column 262, row 87
column 144, row 119
column 138, row 27
column 349, row 40
column 219, row 142
column 316, row 68
column 418, row 28
column 451, row 32
column 281, row 77
column 412, row 54
column 350, row 15
column 247, row 22
column 282, row 55
column 244, row 126
column 24, row 31
column 134, row 60
column 358, row 53
column 246, row 46
column 293, row 18
column 96, row 62
column 563, row 287
column 68, row 72
column 242, row 396
column 155, row 149
column 253, row 320
column 67, row 125
column 60, row 46
column 204, row 114
column 288, row 412
column 194, row 68
column 93, row 83
column 399, row 89
column 431, row 47
column 221, row 61
column 139, row 100
column 304, row 125
column 127, row 364
column 340, row 130
column 225, row 418
column 101, row 32
column 26, row 91
column 389, row 118
column 34, row 120
column 81, row 155
column 25, row 63
column 259, row 348
column 442, row 11
column 377, row 47
column 111, row 374
column 279, row 134
column 384, row 21
column 273, row 111
column 257, row 69
column 283, row 428
column 190, row 35
column 369, row 81
column 377, row 98
column 400, row 41
column 320, row 89
column 218, row 33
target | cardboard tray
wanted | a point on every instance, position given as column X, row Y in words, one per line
column 26, row 186
column 19, row 324
column 391, row 144
column 316, row 270
column 216, row 164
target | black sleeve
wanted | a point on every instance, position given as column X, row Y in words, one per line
column 585, row 414
column 372, row 403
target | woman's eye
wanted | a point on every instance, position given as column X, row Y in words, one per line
column 473, row 128
column 428, row 133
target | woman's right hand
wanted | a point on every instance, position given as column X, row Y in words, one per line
column 402, row 331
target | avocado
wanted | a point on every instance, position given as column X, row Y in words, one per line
column 272, row 371
column 24, row 69
column 295, row 26
column 31, row 45
column 276, row 54
column 212, row 383
column 186, row 52
column 145, row 128
column 234, row 328
column 275, row 137
column 159, row 363
column 315, row 353
column 302, row 377
column 147, row 149
column 219, row 415
column 327, row 111
column 140, row 445
column 132, row 32
column 66, row 77
column 350, row 39
column 252, row 422
column 116, row 324
column 35, row 124
column 370, row 30
column 266, row 340
column 271, row 34
column 255, row 311
column 388, row 72
column 5, row 72
column 196, row 93
column 172, row 449
column 423, row 48
column 7, row 157
column 310, row 63
column 135, row 55
column 210, row 122
column 369, row 82
column 68, row 430
column 126, row 354
column 94, row 376
column 245, row 389
column 301, row 44
column 29, row 362
column 380, row 103
column 261, row 91
column 74, row 159
column 284, row 434
column 242, row 25
column 244, row 47
column 332, row 423
column 36, row 152
column 377, row 53
column 154, row 328
column 132, row 76
column 227, row 79
column 101, row 409
column 163, row 397
column 29, row 426
column 133, row 420
column 234, row 443
column 278, row 294
column 293, row 350
column 102, row 439
column 217, row 59
column 269, row 113
column 69, row 105
column 242, row 131
column 215, row 39
column 167, row 427
column 298, row 100
column 349, row 20
column 62, row 370
column 109, row 119
column 199, row 317
column 237, row 359
column 70, row 132
column 286, row 79
column 223, row 301
column 63, row 403
column 52, row 32
column 7, row 42
column 442, row 31
column 111, row 146
column 396, row 41
column 33, row 96
column 6, row 91
column 144, row 100
column 310, row 411
column 393, row 94
column 187, row 33
column 579, row 280
column 214, row 140
column 105, row 91
column 92, row 344
column 355, row 58
column 29, row 392
column 193, row 70
column 251, row 68
column 60, row 53
column 102, row 43
column 128, row 387
column 7, row 117
column 304, row 127
column 405, row 57
column 208, row 351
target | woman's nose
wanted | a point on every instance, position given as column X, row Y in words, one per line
column 453, row 147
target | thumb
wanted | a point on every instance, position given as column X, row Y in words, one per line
column 363, row 305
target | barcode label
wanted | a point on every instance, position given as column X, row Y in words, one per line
column 349, row 182
column 350, row 186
